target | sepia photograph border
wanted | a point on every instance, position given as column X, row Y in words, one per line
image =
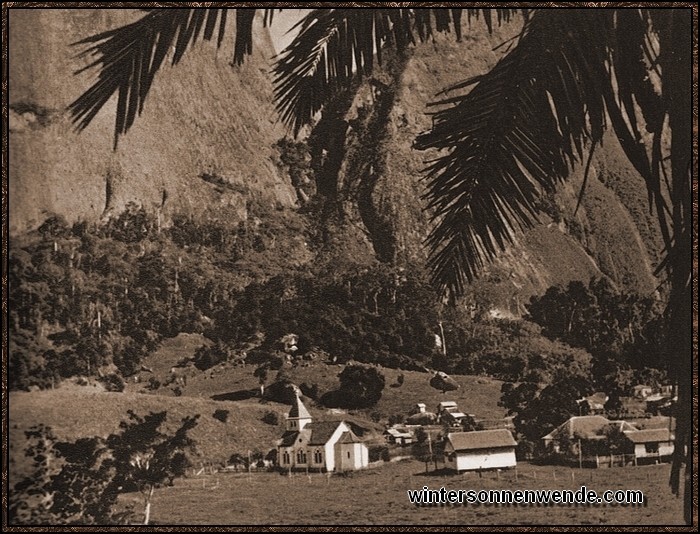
column 7, row 6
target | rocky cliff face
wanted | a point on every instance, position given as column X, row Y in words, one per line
column 205, row 141
column 203, row 117
column 612, row 233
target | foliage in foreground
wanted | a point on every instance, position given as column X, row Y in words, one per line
column 74, row 483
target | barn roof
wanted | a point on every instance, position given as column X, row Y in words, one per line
column 587, row 427
column 649, row 435
column 481, row 439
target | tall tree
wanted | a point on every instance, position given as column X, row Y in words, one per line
column 518, row 131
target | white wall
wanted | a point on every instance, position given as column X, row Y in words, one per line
column 665, row 449
column 484, row 459
column 329, row 448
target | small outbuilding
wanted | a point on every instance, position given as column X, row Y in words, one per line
column 652, row 445
column 481, row 449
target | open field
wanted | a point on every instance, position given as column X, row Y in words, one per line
column 79, row 412
column 378, row 496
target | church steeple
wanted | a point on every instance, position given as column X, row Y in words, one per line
column 298, row 416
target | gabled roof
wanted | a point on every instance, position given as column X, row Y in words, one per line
column 649, row 436
column 399, row 432
column 321, row 431
column 348, row 437
column 298, row 410
column 481, row 439
column 288, row 439
column 587, row 427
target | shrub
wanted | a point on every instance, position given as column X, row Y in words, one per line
column 207, row 357
column 361, row 386
column 271, row 418
column 378, row 452
column 309, row 390
column 153, row 383
column 112, row 382
column 221, row 415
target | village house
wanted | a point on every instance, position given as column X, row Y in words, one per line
column 398, row 435
column 449, row 413
column 642, row 391
column 652, row 445
column 593, row 404
column 585, row 439
column 481, row 449
column 319, row 446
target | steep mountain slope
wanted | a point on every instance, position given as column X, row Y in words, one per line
column 202, row 117
column 602, row 238
column 205, row 144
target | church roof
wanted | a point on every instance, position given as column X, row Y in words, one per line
column 298, row 410
column 348, row 437
column 288, row 439
column 321, row 432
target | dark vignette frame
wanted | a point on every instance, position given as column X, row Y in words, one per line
column 6, row 6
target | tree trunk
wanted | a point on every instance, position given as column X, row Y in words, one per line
column 676, row 58
column 147, row 510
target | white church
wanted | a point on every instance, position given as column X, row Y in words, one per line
column 319, row 446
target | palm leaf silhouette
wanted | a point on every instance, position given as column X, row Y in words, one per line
column 334, row 47
column 128, row 58
column 525, row 123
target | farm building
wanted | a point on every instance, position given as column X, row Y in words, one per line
column 659, row 403
column 398, row 435
column 642, row 391
column 450, row 414
column 652, row 445
column 585, row 439
column 482, row 449
column 319, row 446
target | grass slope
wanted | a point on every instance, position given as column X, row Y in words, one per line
column 477, row 395
column 378, row 496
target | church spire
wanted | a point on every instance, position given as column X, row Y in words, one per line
column 298, row 416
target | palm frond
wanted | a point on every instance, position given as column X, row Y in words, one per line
column 335, row 46
column 524, row 124
column 128, row 58
column 509, row 138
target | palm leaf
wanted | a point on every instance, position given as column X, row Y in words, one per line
column 523, row 126
column 336, row 46
column 128, row 58
column 508, row 139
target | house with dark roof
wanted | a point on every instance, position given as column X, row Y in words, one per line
column 319, row 446
column 651, row 445
column 481, row 449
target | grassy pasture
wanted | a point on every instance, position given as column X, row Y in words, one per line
column 378, row 497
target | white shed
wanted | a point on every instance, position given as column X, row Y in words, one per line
column 654, row 444
column 482, row 449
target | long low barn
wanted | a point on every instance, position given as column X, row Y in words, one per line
column 482, row 449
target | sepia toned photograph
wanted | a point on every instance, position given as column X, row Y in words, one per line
column 398, row 264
